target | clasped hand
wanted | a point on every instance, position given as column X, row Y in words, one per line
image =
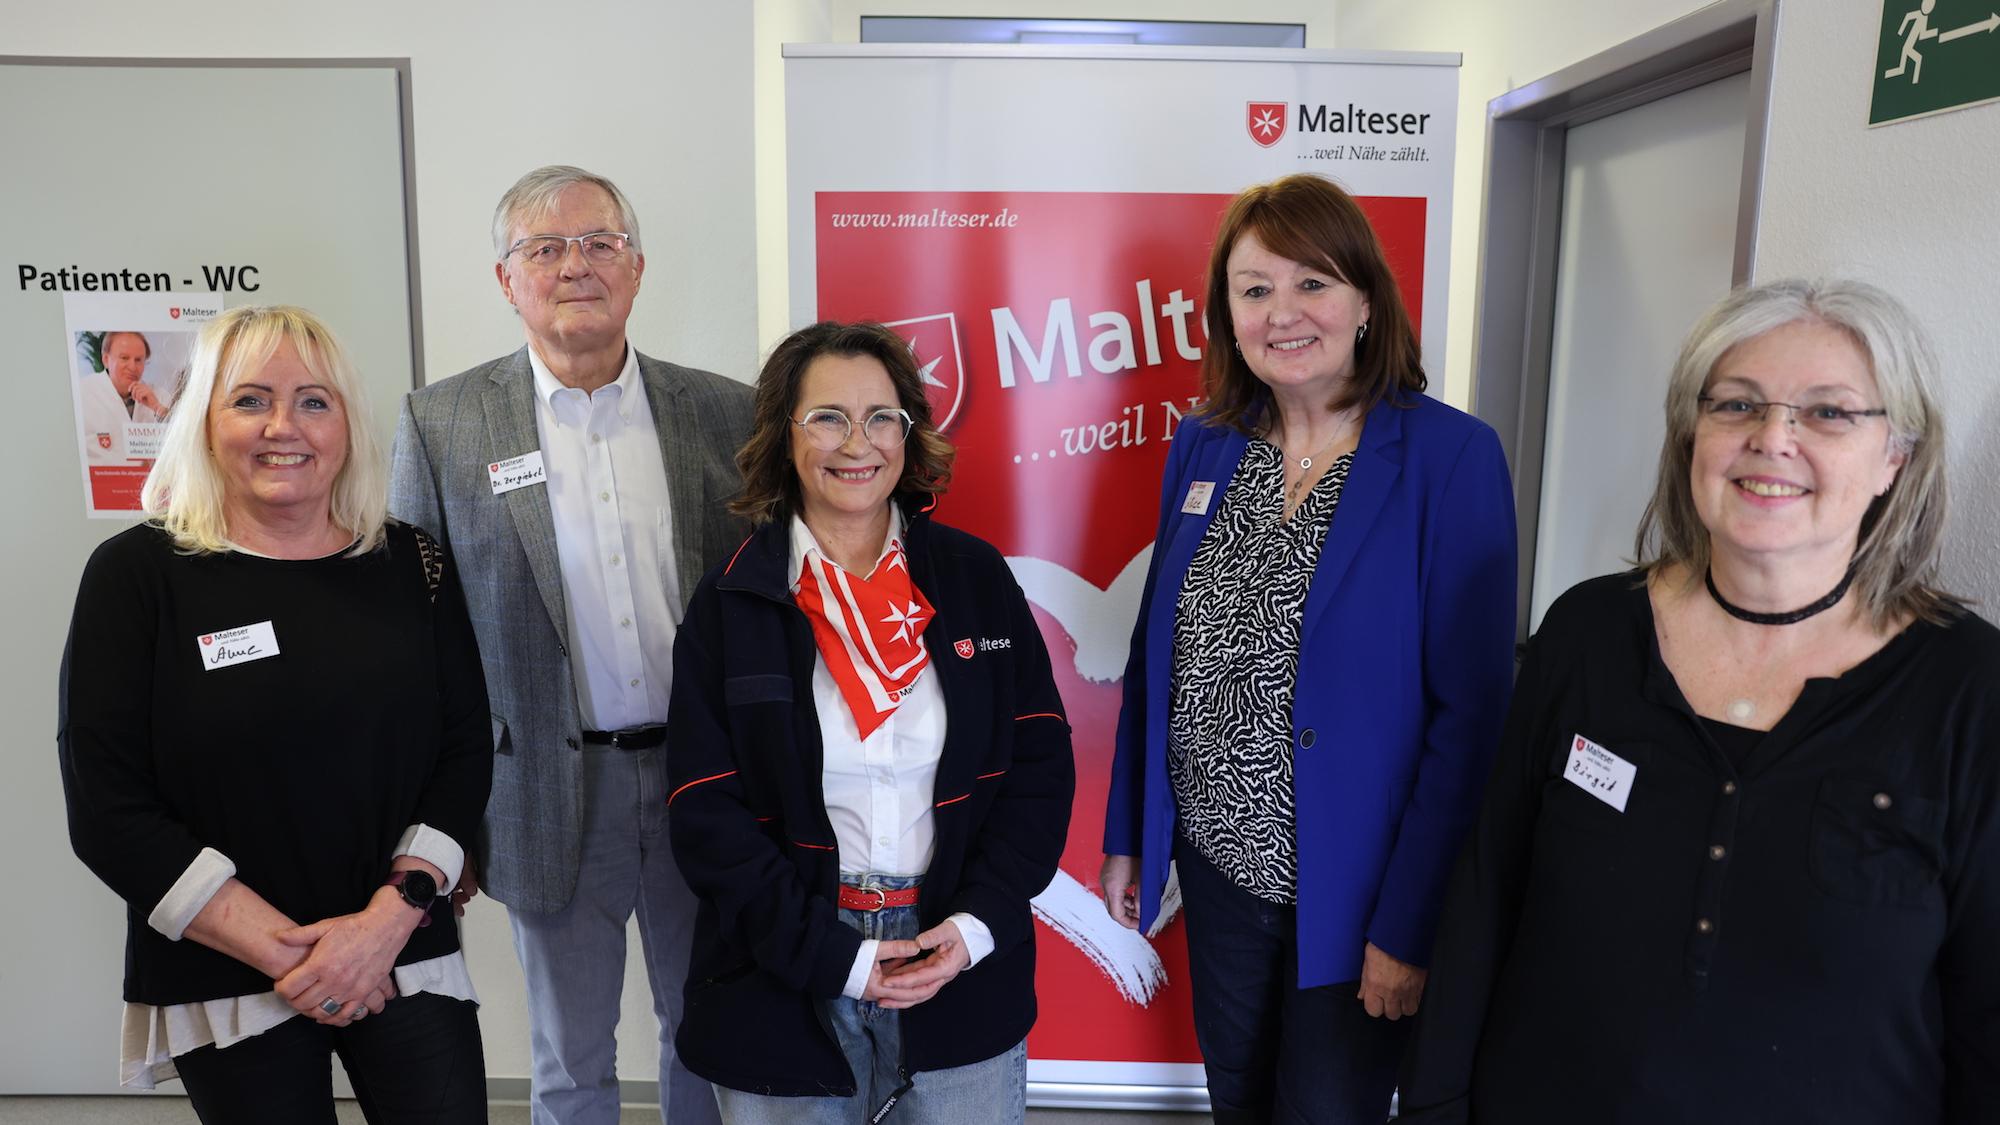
column 349, row 958
column 904, row 976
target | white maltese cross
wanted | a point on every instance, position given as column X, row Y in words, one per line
column 904, row 620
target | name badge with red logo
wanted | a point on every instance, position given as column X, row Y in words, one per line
column 963, row 648
column 1599, row 772
column 244, row 643
column 516, row 472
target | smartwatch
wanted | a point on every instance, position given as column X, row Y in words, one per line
column 417, row 888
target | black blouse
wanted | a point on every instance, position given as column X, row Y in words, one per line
column 1812, row 937
column 1236, row 657
column 303, row 766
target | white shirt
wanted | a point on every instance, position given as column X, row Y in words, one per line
column 104, row 412
column 879, row 789
column 607, row 487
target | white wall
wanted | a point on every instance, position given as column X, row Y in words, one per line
column 661, row 103
column 778, row 22
column 657, row 95
column 1505, row 45
column 1910, row 207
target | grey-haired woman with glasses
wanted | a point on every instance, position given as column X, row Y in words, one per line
column 1740, row 857
column 869, row 768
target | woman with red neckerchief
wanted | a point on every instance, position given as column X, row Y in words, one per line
column 870, row 768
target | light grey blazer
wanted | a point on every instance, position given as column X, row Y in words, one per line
column 505, row 548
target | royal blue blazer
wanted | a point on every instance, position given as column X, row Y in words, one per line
column 1406, row 661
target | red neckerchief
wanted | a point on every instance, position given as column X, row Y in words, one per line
column 869, row 631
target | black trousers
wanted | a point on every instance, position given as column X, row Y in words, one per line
column 418, row 1062
column 1275, row 1052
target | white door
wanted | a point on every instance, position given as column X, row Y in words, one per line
column 1648, row 242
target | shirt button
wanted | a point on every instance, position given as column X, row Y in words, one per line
column 635, row 683
column 1306, row 738
column 1883, row 800
column 595, row 438
column 605, row 496
column 1704, row 926
column 1728, row 788
column 1717, row 851
column 614, row 560
column 882, row 840
column 625, row 623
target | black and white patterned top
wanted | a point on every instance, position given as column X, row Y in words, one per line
column 1236, row 656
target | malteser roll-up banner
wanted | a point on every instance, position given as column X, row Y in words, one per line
column 1037, row 222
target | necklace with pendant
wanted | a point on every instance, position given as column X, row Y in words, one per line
column 1305, row 473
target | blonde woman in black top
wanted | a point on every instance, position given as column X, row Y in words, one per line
column 1740, row 858
column 275, row 747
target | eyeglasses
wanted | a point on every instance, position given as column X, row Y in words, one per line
column 829, row 429
column 1822, row 418
column 600, row 248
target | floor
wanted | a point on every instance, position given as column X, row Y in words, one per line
column 163, row 1110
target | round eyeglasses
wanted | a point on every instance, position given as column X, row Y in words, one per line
column 1822, row 418
column 829, row 429
column 600, row 248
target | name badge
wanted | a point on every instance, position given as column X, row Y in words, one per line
column 244, row 643
column 1196, row 503
column 516, row 472
column 1599, row 772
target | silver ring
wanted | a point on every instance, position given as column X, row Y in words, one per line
column 330, row 1006
column 361, row 1011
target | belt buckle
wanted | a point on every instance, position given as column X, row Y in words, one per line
column 881, row 898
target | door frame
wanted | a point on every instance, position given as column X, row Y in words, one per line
column 1521, row 221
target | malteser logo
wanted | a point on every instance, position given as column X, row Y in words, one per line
column 963, row 648
column 175, row 313
column 1266, row 122
column 933, row 341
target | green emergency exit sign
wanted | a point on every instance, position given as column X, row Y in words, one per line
column 1935, row 55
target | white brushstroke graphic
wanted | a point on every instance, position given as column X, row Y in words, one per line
column 1099, row 622
column 1071, row 910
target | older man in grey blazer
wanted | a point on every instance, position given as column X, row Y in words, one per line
column 581, row 487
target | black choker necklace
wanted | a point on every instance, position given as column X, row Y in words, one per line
column 1792, row 617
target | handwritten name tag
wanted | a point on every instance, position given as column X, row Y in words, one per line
column 224, row 647
column 1196, row 503
column 516, row 472
column 1599, row 772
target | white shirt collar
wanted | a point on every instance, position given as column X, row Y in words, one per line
column 547, row 386
column 803, row 541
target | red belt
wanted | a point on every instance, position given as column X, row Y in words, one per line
column 872, row 899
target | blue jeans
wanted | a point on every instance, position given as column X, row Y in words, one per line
column 871, row 1037
column 574, row 959
column 1275, row 1052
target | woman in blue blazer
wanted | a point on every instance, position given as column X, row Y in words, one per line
column 1319, row 670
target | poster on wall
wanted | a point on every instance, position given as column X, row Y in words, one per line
column 1037, row 224
column 128, row 356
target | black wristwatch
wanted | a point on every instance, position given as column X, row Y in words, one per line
column 417, row 888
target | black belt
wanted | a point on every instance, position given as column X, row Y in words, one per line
column 632, row 738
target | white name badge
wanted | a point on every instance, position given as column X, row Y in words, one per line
column 516, row 472
column 1196, row 503
column 244, row 643
column 1599, row 772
